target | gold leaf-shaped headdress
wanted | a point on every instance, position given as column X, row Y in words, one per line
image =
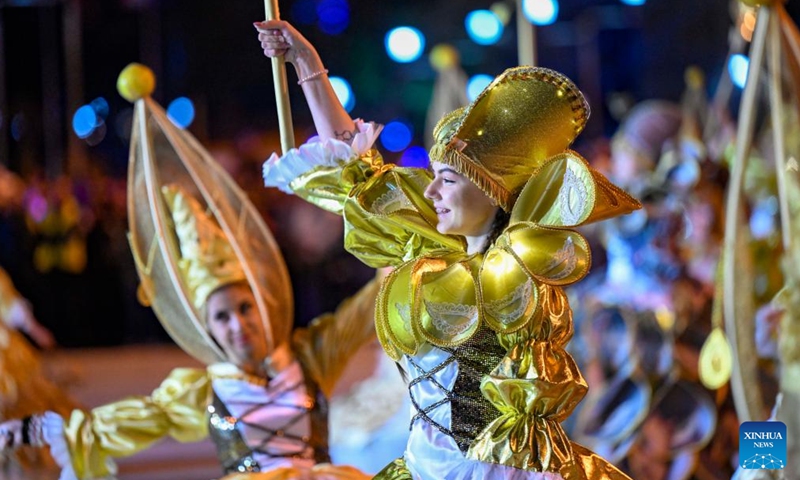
column 207, row 261
column 525, row 116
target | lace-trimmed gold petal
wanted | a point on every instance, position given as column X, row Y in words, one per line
column 555, row 257
column 446, row 311
column 510, row 295
column 566, row 192
column 561, row 193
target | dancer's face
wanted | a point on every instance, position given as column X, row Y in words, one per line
column 234, row 323
column 462, row 207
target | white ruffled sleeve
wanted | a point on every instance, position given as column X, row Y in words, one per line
column 279, row 172
column 53, row 431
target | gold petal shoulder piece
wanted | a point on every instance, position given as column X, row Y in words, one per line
column 549, row 255
column 566, row 192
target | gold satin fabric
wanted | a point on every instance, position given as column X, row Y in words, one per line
column 8, row 294
column 176, row 408
column 440, row 295
column 326, row 345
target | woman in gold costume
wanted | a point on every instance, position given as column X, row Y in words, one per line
column 223, row 295
column 24, row 387
column 482, row 244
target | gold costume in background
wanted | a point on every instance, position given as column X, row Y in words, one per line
column 24, row 387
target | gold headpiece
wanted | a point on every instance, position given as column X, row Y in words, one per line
column 525, row 116
column 198, row 234
column 208, row 261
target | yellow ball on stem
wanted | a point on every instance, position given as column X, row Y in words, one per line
column 136, row 81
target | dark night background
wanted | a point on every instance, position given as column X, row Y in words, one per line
column 207, row 51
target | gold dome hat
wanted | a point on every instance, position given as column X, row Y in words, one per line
column 525, row 116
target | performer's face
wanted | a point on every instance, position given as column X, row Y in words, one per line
column 462, row 207
column 234, row 323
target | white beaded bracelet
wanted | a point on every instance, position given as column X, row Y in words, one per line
column 312, row 76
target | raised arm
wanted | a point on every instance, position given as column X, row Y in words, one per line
column 330, row 118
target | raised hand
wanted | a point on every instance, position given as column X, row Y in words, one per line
column 281, row 38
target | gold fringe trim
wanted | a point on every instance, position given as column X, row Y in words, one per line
column 477, row 174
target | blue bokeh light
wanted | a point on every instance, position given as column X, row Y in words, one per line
column 343, row 92
column 85, row 121
column 181, row 112
column 737, row 68
column 634, row 3
column 540, row 12
column 483, row 27
column 100, row 107
column 476, row 84
column 334, row 16
column 404, row 44
column 396, row 136
column 415, row 156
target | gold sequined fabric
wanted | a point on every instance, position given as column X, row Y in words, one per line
column 324, row 471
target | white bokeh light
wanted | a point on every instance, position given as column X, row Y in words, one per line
column 343, row 92
column 404, row 44
column 476, row 84
column 483, row 27
column 540, row 12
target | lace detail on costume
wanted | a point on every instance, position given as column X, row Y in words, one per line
column 564, row 259
column 441, row 313
column 497, row 308
column 391, row 201
column 404, row 310
column 572, row 198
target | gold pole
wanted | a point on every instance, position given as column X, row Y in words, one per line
column 281, row 87
column 526, row 38
column 778, row 135
column 748, row 407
